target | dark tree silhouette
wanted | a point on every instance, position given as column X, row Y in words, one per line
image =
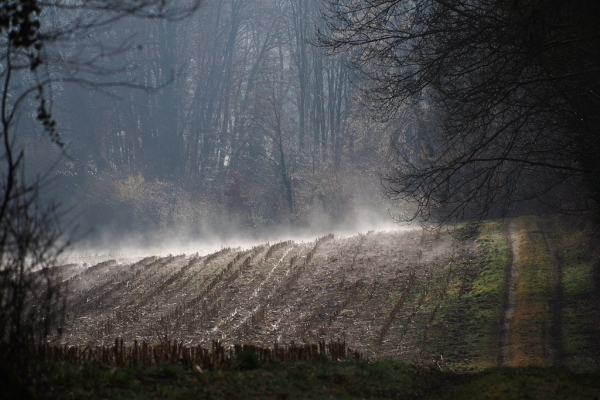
column 30, row 234
column 512, row 92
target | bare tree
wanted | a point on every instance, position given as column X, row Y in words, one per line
column 511, row 90
column 31, row 67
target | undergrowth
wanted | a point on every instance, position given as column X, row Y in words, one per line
column 385, row 379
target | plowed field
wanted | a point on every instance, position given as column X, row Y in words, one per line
column 402, row 294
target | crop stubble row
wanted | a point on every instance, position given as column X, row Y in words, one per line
column 375, row 291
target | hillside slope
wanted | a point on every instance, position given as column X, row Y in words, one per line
column 433, row 297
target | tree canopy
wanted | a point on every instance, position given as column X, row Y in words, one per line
column 510, row 90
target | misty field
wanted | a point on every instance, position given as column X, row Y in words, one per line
column 401, row 294
column 429, row 297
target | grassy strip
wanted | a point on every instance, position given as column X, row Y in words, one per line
column 488, row 293
column 465, row 333
column 529, row 324
column 580, row 325
column 323, row 380
column 528, row 383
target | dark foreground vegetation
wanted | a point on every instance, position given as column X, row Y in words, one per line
column 325, row 379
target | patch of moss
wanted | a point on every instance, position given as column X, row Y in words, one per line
column 465, row 333
column 580, row 318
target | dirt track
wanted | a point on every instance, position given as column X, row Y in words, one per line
column 555, row 298
column 552, row 340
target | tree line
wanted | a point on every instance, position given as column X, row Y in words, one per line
column 239, row 116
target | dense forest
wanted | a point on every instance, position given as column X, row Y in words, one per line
column 229, row 117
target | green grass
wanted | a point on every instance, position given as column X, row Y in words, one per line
column 384, row 379
column 529, row 383
column 465, row 333
column 580, row 318
column 487, row 291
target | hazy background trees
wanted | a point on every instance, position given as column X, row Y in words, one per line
column 250, row 124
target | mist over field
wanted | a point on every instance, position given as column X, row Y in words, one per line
column 226, row 125
column 111, row 244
